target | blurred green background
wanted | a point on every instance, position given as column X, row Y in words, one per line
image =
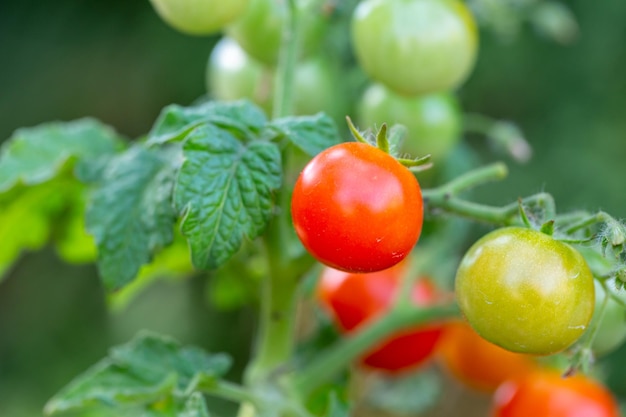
column 115, row 60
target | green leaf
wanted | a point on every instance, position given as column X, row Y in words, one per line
column 175, row 121
column 25, row 220
column 312, row 134
column 172, row 263
column 35, row 155
column 148, row 369
column 224, row 192
column 71, row 240
column 130, row 214
column 195, row 407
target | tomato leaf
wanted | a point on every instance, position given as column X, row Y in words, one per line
column 130, row 213
column 312, row 134
column 224, row 191
column 175, row 121
column 25, row 220
column 148, row 369
column 36, row 154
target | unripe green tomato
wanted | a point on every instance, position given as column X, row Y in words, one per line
column 259, row 30
column 233, row 75
column 433, row 121
column 611, row 332
column 525, row 291
column 199, row 17
column 415, row 46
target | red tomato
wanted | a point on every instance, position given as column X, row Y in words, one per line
column 477, row 362
column 356, row 208
column 354, row 300
column 547, row 394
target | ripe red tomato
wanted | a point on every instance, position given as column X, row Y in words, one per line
column 356, row 208
column 548, row 394
column 525, row 291
column 415, row 46
column 199, row 17
column 478, row 363
column 354, row 300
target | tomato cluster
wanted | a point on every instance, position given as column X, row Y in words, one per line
column 355, row 300
column 359, row 211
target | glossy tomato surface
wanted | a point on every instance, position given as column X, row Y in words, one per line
column 525, row 291
column 356, row 208
column 415, row 46
column 354, row 300
column 478, row 363
column 259, row 30
column 433, row 122
column 199, row 17
column 548, row 394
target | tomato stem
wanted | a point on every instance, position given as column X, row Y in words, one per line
column 283, row 81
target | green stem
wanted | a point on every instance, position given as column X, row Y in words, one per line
column 337, row 357
column 230, row 391
column 471, row 179
column 283, row 81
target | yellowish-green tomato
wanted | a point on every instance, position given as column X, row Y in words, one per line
column 415, row 46
column 525, row 291
column 433, row 121
column 199, row 17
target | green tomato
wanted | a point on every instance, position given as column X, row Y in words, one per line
column 525, row 291
column 415, row 46
column 233, row 75
column 611, row 331
column 199, row 17
column 259, row 30
column 433, row 122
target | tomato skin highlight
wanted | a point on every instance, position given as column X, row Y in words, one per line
column 478, row 363
column 354, row 299
column 356, row 208
column 525, row 291
column 548, row 394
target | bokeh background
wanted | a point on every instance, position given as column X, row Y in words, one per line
column 115, row 60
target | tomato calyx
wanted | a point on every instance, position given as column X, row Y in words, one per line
column 384, row 140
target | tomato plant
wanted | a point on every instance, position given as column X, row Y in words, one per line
column 525, row 291
column 478, row 363
column 355, row 299
column 253, row 189
column 433, row 121
column 199, row 17
column 546, row 393
column 356, row 208
column 415, row 46
column 259, row 30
